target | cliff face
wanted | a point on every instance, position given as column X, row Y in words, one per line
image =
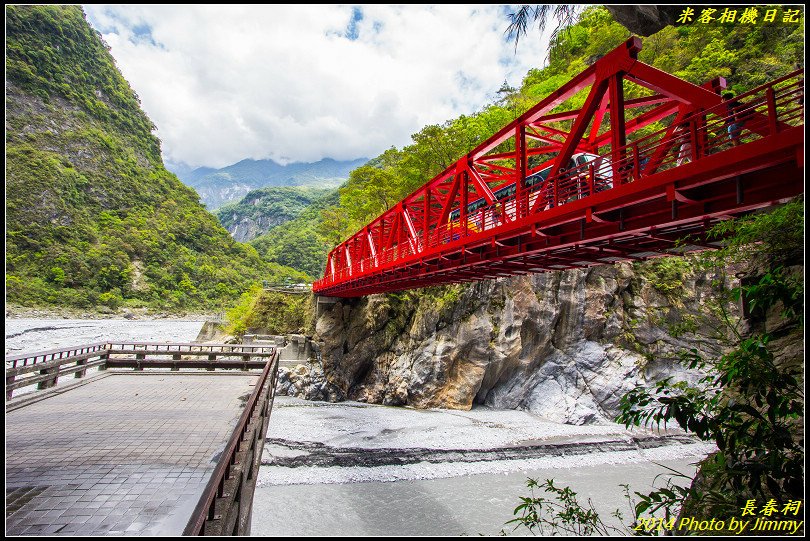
column 564, row 345
column 263, row 209
column 244, row 228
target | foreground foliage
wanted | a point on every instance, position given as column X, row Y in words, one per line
column 750, row 403
column 560, row 513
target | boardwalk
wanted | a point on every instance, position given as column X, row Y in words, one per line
column 145, row 452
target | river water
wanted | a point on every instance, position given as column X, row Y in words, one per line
column 359, row 469
column 26, row 335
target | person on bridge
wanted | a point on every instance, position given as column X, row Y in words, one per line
column 733, row 120
column 683, row 137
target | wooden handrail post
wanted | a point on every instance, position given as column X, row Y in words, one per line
column 50, row 382
column 80, row 373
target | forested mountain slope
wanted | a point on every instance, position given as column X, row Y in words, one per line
column 93, row 217
column 265, row 208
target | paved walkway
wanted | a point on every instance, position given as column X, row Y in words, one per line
column 123, row 454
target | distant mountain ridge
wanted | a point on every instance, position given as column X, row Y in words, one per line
column 218, row 187
column 265, row 208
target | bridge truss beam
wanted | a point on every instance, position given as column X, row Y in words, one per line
column 482, row 217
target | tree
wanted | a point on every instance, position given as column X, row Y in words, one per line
column 750, row 403
column 565, row 14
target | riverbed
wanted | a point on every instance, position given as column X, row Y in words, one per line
column 360, row 469
column 25, row 335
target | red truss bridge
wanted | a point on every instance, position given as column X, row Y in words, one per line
column 561, row 189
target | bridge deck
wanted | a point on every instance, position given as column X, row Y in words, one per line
column 126, row 453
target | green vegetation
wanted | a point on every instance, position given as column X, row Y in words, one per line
column 666, row 275
column 271, row 312
column 562, row 512
column 273, row 206
column 751, row 403
column 303, row 242
column 93, row 217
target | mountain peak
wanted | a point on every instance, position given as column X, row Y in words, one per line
column 218, row 187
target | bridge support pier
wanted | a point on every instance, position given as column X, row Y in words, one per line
column 323, row 303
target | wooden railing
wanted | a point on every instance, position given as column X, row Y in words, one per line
column 44, row 368
column 226, row 503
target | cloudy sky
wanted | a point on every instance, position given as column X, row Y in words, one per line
column 300, row 83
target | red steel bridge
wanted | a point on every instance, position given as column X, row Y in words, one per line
column 561, row 189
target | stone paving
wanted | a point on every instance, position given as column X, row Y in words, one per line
column 125, row 454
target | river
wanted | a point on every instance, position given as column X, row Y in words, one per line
column 360, row 469
column 26, row 335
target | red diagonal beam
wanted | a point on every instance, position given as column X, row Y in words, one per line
column 581, row 122
column 416, row 243
column 640, row 121
column 480, row 186
column 597, row 119
column 448, row 202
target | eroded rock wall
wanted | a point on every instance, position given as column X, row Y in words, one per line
column 565, row 345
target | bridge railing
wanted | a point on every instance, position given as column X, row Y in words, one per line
column 753, row 115
column 190, row 348
column 52, row 354
column 45, row 368
column 225, row 505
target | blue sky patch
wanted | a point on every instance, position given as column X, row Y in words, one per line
column 142, row 33
column 351, row 30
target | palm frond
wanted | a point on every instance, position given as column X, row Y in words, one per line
column 565, row 15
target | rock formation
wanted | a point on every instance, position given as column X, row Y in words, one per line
column 645, row 20
column 565, row 345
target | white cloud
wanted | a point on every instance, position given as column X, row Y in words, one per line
column 223, row 83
